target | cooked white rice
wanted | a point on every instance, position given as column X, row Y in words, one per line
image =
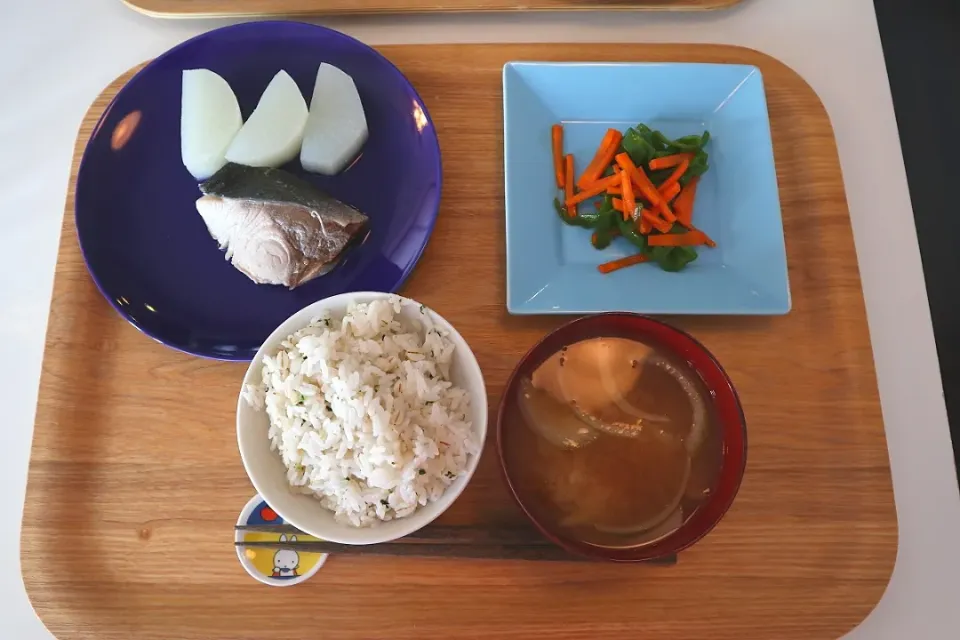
column 363, row 412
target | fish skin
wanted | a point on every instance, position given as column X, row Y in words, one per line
column 275, row 227
column 239, row 182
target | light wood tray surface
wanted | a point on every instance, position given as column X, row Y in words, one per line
column 267, row 8
column 135, row 482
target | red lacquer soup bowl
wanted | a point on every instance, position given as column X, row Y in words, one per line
column 720, row 396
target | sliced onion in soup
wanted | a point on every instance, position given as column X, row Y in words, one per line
column 551, row 419
column 592, row 372
column 596, row 376
column 670, row 487
column 663, row 528
column 698, row 428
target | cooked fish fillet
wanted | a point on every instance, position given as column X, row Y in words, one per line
column 275, row 227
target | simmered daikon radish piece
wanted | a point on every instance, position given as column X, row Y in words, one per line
column 209, row 120
column 272, row 134
column 337, row 126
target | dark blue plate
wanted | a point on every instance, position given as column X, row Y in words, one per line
column 146, row 246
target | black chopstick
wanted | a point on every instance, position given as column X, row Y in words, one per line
column 515, row 552
column 445, row 541
column 270, row 528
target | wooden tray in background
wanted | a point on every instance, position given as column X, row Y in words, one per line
column 266, row 8
column 135, row 481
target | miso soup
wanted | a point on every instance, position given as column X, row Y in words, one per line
column 612, row 442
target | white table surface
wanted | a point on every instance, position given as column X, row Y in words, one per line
column 58, row 55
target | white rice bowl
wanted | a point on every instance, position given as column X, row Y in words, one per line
column 362, row 418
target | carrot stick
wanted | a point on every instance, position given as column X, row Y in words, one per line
column 683, row 205
column 645, row 226
column 617, row 204
column 597, row 205
column 613, row 265
column 556, row 135
column 658, row 223
column 629, row 202
column 642, row 182
column 568, row 185
column 646, row 187
column 676, row 175
column 590, row 174
column 688, row 239
column 707, row 240
column 666, row 212
column 615, row 189
column 602, row 159
column 669, row 161
column 594, row 189
column 616, row 186
column 671, row 192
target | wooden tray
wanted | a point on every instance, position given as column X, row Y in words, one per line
column 135, row 482
column 265, row 8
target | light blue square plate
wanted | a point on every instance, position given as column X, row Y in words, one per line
column 552, row 267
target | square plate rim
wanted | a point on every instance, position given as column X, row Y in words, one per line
column 780, row 306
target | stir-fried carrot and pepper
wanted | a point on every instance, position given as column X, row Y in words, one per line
column 643, row 186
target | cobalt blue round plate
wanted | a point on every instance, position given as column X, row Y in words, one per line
column 149, row 251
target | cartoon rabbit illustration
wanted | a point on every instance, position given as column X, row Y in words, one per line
column 286, row 561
